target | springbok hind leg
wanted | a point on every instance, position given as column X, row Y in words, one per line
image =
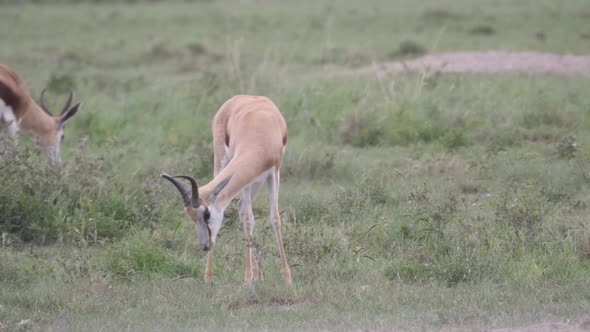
column 275, row 220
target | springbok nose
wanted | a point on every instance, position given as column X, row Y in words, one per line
column 205, row 247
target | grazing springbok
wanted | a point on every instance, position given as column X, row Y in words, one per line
column 18, row 111
column 249, row 138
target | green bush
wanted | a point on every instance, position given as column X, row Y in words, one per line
column 410, row 270
column 482, row 30
column 362, row 129
column 408, row 48
column 308, row 245
column 17, row 272
column 61, row 84
column 142, row 255
column 523, row 208
column 75, row 202
column 308, row 163
column 455, row 139
column 399, row 125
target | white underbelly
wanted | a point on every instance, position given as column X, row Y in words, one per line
column 8, row 125
column 262, row 177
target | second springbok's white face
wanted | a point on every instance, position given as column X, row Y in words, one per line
column 51, row 138
column 207, row 220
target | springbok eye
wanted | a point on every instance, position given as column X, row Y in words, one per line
column 206, row 215
column 63, row 136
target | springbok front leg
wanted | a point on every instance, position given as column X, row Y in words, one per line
column 275, row 220
column 248, row 194
column 209, row 268
column 245, row 207
column 254, row 257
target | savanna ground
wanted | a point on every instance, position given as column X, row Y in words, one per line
column 414, row 201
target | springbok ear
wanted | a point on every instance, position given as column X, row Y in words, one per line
column 66, row 115
column 219, row 188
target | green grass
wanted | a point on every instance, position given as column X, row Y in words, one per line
column 445, row 201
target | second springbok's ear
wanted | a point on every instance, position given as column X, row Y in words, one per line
column 219, row 188
column 67, row 114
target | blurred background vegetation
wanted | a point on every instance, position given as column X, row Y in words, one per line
column 415, row 200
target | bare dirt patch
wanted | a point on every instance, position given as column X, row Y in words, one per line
column 556, row 327
column 284, row 302
column 582, row 326
column 489, row 62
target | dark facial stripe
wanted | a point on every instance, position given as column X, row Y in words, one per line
column 9, row 97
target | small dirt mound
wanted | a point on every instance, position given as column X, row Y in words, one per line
column 489, row 62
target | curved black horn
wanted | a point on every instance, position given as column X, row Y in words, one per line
column 42, row 102
column 195, row 189
column 68, row 103
column 180, row 186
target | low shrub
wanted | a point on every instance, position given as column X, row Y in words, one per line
column 142, row 255
column 75, row 202
column 408, row 48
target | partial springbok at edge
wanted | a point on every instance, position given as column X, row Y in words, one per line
column 18, row 111
column 249, row 138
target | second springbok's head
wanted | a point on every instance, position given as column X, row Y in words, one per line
column 19, row 112
column 51, row 137
column 207, row 220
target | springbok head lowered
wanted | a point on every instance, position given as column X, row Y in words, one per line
column 53, row 134
column 197, row 209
